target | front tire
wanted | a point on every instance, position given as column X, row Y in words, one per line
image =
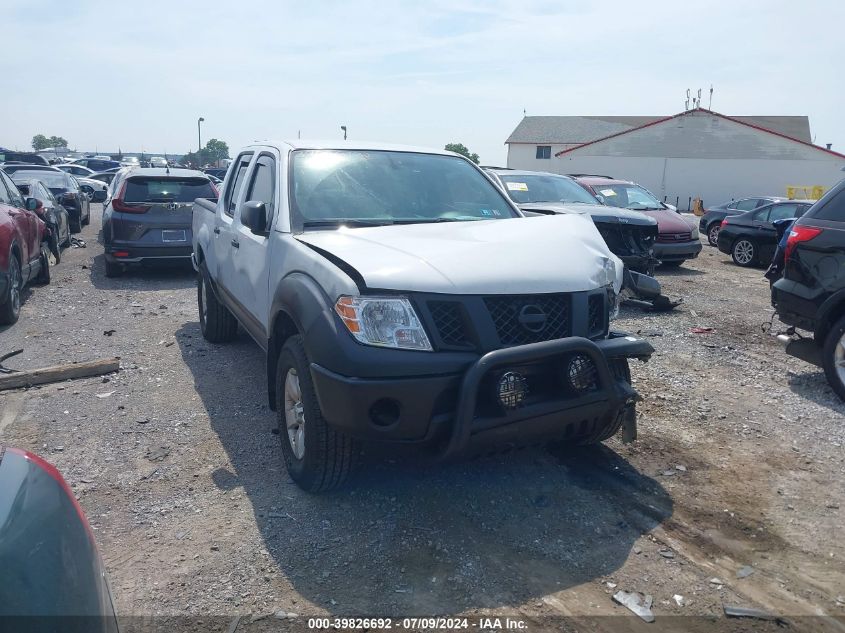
column 620, row 369
column 218, row 325
column 10, row 309
column 318, row 457
column 833, row 357
column 87, row 219
column 744, row 252
column 43, row 277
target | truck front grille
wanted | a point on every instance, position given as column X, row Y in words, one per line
column 449, row 322
column 597, row 312
column 523, row 319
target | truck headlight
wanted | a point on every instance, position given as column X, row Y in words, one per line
column 383, row 322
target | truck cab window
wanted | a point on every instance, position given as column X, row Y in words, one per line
column 237, row 182
column 263, row 185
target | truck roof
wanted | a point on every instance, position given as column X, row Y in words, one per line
column 350, row 145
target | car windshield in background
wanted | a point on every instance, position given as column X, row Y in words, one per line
column 541, row 188
column 333, row 187
column 53, row 179
column 167, row 189
column 627, row 197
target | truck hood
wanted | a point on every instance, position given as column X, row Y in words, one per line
column 558, row 253
column 598, row 212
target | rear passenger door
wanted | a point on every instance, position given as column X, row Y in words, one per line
column 251, row 261
column 222, row 268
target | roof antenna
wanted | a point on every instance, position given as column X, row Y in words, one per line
column 524, row 112
column 710, row 103
column 686, row 103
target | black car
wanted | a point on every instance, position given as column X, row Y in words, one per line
column 217, row 172
column 50, row 210
column 751, row 238
column 104, row 176
column 811, row 294
column 97, row 164
column 711, row 221
column 10, row 156
column 63, row 186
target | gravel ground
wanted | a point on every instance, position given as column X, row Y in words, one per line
column 175, row 461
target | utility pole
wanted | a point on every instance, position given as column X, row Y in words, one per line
column 199, row 138
column 343, row 127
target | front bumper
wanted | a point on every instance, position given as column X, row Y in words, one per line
column 459, row 409
column 676, row 251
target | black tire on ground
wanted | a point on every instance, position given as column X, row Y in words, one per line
column 218, row 325
column 75, row 224
column 113, row 269
column 10, row 308
column 66, row 243
column 833, row 352
column 713, row 233
column 87, row 219
column 744, row 252
column 673, row 264
column 620, row 369
column 329, row 455
column 43, row 277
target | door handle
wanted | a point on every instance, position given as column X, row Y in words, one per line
column 217, row 230
column 236, row 243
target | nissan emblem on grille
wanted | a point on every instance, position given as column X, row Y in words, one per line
column 512, row 389
column 532, row 318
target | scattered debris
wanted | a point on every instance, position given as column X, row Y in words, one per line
column 58, row 373
column 745, row 572
column 284, row 615
column 635, row 603
column 610, row 585
column 103, row 395
column 680, row 467
column 702, row 330
column 75, row 242
column 679, row 599
column 7, row 370
column 832, row 506
column 716, row 581
column 668, row 473
column 108, row 332
column 667, row 553
column 143, row 421
column 744, row 612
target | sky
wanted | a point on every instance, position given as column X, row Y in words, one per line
column 137, row 75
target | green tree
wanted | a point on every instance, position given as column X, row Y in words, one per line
column 39, row 142
column 57, row 141
column 215, row 150
column 460, row 148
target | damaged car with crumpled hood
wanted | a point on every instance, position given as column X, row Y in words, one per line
column 630, row 235
column 400, row 297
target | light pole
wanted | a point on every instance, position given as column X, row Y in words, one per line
column 199, row 138
column 343, row 127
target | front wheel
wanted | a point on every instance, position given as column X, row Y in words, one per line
column 713, row 233
column 744, row 253
column 43, row 277
column 10, row 308
column 317, row 457
column 833, row 357
column 87, row 219
column 677, row 263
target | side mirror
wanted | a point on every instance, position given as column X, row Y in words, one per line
column 32, row 204
column 254, row 216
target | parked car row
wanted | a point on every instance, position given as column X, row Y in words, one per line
column 23, row 251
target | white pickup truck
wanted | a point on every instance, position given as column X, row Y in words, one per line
column 400, row 296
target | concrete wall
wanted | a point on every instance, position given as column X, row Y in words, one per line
column 696, row 155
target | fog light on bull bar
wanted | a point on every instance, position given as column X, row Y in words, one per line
column 581, row 374
column 511, row 389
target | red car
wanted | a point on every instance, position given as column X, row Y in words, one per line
column 23, row 255
column 676, row 242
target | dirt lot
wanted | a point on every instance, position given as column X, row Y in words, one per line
column 175, row 461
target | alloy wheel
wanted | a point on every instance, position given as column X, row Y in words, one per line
column 15, row 285
column 713, row 234
column 294, row 414
column 839, row 359
column 743, row 252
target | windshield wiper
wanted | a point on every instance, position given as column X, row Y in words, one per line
column 345, row 222
column 435, row 220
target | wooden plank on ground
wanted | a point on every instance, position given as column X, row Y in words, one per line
column 58, row 373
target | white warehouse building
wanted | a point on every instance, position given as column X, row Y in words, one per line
column 698, row 153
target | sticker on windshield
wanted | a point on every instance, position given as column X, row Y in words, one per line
column 607, row 192
column 517, row 186
column 486, row 212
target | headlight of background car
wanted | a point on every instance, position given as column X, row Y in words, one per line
column 383, row 322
